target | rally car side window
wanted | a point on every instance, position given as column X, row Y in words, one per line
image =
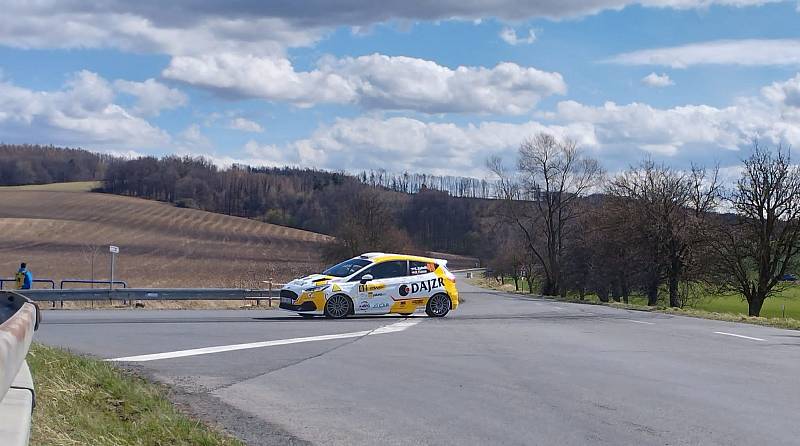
column 385, row 270
column 418, row 268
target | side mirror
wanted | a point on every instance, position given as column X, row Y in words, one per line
column 366, row 278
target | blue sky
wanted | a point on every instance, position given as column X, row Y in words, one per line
column 427, row 86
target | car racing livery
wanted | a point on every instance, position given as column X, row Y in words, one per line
column 374, row 283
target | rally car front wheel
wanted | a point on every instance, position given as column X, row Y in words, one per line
column 438, row 305
column 338, row 306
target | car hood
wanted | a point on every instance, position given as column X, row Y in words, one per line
column 312, row 280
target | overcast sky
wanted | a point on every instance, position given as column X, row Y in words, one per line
column 427, row 86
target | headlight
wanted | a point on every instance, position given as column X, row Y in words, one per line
column 316, row 288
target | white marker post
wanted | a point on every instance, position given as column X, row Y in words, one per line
column 114, row 250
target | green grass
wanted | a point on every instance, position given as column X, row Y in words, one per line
column 788, row 298
column 82, row 401
column 709, row 306
column 75, row 186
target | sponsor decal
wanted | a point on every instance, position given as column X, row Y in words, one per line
column 417, row 270
column 404, row 290
column 371, row 287
column 365, row 305
column 427, row 285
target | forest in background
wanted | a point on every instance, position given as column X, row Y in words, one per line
column 418, row 211
column 34, row 164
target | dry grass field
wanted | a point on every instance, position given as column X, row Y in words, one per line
column 57, row 229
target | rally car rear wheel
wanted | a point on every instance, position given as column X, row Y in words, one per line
column 438, row 305
column 338, row 306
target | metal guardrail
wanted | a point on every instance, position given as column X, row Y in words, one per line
column 20, row 318
column 93, row 282
column 51, row 282
column 88, row 294
column 467, row 270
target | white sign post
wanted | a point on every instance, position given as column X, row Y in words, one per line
column 114, row 250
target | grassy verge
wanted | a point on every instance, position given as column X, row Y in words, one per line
column 700, row 310
column 82, row 401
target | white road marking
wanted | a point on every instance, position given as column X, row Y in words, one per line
column 739, row 336
column 392, row 328
column 558, row 308
column 640, row 322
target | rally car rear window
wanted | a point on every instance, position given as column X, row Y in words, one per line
column 418, row 268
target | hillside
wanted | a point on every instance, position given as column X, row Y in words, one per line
column 162, row 246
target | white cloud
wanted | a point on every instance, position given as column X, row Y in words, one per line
column 617, row 134
column 81, row 113
column 245, row 125
column 192, row 138
column 372, row 142
column 748, row 52
column 240, row 48
column 348, row 12
column 787, row 93
column 190, row 28
column 657, row 80
column 264, row 77
column 509, row 35
column 151, row 96
column 64, row 25
column 373, row 81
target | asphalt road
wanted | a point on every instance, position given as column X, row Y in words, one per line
column 499, row 370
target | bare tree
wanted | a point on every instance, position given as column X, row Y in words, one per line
column 676, row 206
column 366, row 223
column 755, row 252
column 90, row 252
column 541, row 201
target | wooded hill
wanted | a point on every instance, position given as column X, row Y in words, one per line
column 437, row 213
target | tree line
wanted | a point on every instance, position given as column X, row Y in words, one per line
column 315, row 200
column 34, row 164
column 565, row 224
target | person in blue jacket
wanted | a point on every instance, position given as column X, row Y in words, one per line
column 24, row 277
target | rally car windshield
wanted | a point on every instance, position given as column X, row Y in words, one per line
column 346, row 268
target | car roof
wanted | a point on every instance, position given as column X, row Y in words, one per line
column 384, row 256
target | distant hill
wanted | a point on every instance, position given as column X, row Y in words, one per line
column 55, row 231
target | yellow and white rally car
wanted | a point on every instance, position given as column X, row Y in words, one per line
column 374, row 283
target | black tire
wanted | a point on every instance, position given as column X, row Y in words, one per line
column 338, row 306
column 438, row 305
column 306, row 315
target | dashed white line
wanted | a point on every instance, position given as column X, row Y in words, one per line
column 739, row 336
column 392, row 328
column 640, row 322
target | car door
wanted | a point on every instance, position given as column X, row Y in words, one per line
column 375, row 296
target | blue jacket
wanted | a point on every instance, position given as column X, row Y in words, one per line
column 28, row 280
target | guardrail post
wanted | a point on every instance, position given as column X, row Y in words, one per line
column 270, row 293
